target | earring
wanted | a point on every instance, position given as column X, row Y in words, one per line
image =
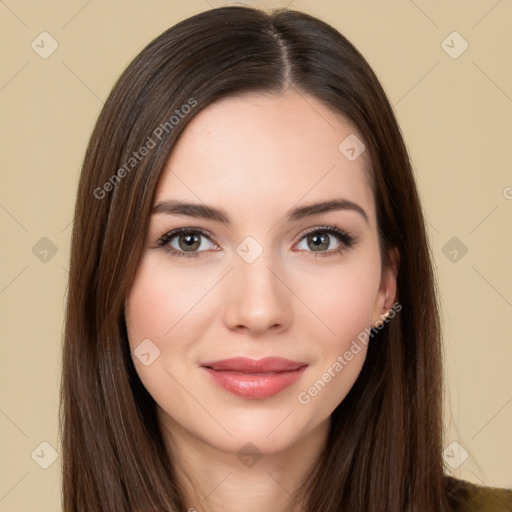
column 381, row 320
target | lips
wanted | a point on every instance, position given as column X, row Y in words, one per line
column 247, row 365
column 255, row 379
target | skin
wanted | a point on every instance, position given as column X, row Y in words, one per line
column 256, row 156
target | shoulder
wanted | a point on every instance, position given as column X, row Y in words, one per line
column 468, row 497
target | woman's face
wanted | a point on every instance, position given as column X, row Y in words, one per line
column 266, row 278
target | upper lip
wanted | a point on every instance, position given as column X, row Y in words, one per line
column 245, row 364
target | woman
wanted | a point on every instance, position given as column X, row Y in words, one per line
column 211, row 362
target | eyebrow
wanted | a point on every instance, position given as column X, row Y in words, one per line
column 176, row 207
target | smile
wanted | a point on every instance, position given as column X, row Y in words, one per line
column 255, row 379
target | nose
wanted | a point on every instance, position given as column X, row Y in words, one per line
column 257, row 298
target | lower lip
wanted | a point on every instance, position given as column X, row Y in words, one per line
column 255, row 386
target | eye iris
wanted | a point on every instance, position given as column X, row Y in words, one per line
column 191, row 242
column 319, row 241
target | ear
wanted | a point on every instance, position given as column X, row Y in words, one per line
column 387, row 288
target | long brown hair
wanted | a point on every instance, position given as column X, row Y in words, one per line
column 384, row 447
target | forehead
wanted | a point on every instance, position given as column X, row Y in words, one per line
column 266, row 151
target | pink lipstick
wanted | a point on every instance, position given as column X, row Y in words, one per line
column 255, row 378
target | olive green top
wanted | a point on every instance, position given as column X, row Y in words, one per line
column 469, row 497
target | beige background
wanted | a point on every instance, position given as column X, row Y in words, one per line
column 456, row 115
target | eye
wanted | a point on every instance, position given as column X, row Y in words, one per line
column 320, row 240
column 185, row 242
column 190, row 242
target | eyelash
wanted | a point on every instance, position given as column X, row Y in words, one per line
column 346, row 240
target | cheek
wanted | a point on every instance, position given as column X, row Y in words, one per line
column 159, row 301
column 157, row 304
column 341, row 342
column 350, row 308
column 167, row 306
column 343, row 298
